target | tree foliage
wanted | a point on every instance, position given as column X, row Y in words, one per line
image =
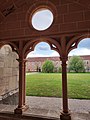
column 48, row 67
column 76, row 64
column 60, row 69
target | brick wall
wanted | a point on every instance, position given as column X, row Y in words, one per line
column 70, row 16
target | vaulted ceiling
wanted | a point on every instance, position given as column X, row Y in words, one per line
column 70, row 16
column 9, row 6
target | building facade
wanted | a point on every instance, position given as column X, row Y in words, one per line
column 35, row 64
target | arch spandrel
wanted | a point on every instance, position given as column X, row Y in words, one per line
column 73, row 43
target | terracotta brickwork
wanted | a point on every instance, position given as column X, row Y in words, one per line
column 70, row 16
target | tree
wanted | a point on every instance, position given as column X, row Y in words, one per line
column 76, row 64
column 48, row 67
column 60, row 69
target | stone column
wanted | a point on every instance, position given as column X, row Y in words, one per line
column 21, row 103
column 24, row 94
column 65, row 115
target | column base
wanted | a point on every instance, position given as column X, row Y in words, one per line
column 65, row 116
column 20, row 110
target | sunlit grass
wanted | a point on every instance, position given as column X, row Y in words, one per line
column 50, row 85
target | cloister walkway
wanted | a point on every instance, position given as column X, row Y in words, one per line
column 50, row 107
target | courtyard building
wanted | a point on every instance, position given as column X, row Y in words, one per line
column 33, row 64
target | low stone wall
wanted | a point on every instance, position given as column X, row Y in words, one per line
column 9, row 98
column 8, row 74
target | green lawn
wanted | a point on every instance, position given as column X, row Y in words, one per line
column 50, row 85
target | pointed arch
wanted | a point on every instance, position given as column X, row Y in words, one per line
column 32, row 43
column 12, row 45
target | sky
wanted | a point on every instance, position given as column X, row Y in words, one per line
column 42, row 49
column 42, row 20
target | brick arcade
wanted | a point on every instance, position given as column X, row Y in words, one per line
column 71, row 24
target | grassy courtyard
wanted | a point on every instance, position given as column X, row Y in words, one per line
column 50, row 85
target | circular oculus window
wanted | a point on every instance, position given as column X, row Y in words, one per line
column 42, row 19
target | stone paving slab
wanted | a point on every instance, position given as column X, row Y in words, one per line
column 52, row 103
column 51, row 107
column 6, row 108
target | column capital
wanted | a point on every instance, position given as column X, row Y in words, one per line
column 62, row 58
column 21, row 60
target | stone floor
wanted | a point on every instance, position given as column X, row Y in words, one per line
column 51, row 107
